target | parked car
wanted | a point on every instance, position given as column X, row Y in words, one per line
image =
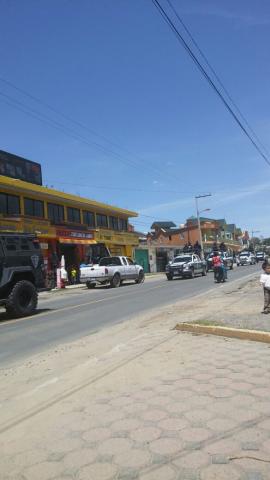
column 226, row 257
column 186, row 266
column 260, row 256
column 113, row 271
column 247, row 258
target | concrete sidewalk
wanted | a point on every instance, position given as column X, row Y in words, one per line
column 160, row 405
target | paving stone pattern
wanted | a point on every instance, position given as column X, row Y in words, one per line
column 205, row 419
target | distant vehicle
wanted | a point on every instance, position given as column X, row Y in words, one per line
column 111, row 271
column 21, row 273
column 226, row 257
column 260, row 256
column 247, row 258
column 183, row 266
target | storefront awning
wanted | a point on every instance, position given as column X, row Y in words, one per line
column 76, row 241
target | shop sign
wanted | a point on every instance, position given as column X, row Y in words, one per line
column 70, row 234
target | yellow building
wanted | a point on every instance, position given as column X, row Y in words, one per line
column 69, row 225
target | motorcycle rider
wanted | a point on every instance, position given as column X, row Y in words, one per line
column 220, row 271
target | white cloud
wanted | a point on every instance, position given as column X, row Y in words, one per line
column 221, row 198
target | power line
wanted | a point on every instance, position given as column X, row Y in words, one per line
column 61, row 127
column 216, row 75
column 182, row 41
column 106, row 150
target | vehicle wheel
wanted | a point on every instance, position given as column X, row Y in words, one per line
column 140, row 278
column 204, row 272
column 22, row 300
column 116, row 281
column 90, row 285
column 192, row 275
column 169, row 277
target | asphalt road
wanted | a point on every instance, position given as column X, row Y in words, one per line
column 73, row 314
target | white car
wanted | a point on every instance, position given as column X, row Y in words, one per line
column 247, row 258
column 113, row 271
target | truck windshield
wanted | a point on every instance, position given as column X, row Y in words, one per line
column 182, row 259
column 110, row 261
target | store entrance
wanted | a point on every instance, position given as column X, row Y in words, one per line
column 71, row 260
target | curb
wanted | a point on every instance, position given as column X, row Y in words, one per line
column 242, row 334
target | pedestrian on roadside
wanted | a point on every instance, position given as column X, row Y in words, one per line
column 265, row 282
column 73, row 275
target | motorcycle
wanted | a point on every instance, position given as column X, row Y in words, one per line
column 220, row 274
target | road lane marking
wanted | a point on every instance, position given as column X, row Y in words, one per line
column 71, row 307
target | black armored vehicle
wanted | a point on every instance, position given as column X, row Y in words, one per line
column 21, row 273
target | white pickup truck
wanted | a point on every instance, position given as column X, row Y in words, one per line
column 113, row 271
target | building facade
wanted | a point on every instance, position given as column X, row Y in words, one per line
column 77, row 228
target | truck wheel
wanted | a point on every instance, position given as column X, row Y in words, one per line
column 90, row 285
column 140, row 278
column 115, row 281
column 22, row 300
column 169, row 277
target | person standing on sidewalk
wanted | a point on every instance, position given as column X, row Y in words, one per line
column 265, row 282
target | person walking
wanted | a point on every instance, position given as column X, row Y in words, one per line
column 265, row 282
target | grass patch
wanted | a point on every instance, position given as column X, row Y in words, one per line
column 208, row 323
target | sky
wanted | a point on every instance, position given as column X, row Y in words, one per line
column 123, row 115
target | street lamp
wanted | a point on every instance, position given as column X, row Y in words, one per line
column 198, row 218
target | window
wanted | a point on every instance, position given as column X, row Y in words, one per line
column 102, row 220
column 34, row 208
column 9, row 204
column 123, row 224
column 113, row 223
column 73, row 215
column 89, row 219
column 55, row 213
column 110, row 262
column 130, row 262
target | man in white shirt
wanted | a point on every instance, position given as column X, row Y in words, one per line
column 265, row 282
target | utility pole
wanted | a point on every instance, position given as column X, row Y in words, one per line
column 198, row 218
column 252, row 235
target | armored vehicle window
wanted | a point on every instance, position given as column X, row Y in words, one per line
column 11, row 243
column 9, row 204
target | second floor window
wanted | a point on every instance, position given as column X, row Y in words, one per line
column 55, row 213
column 33, row 208
column 89, row 219
column 102, row 220
column 113, row 223
column 123, row 224
column 9, row 204
column 73, row 215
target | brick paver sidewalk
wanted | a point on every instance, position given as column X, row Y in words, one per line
column 201, row 412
